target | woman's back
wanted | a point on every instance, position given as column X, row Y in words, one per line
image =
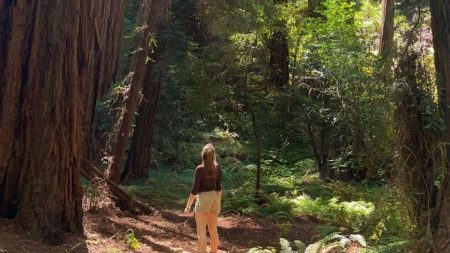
column 204, row 182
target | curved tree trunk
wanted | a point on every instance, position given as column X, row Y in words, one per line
column 40, row 116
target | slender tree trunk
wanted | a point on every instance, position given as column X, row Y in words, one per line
column 440, row 23
column 313, row 141
column 325, row 169
column 258, row 150
column 41, row 115
column 120, row 137
column 387, row 35
column 279, row 59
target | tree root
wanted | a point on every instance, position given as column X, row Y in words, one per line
column 121, row 198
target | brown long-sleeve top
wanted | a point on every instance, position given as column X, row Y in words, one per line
column 203, row 183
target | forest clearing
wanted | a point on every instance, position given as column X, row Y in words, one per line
column 291, row 126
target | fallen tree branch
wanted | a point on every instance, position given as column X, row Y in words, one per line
column 121, row 198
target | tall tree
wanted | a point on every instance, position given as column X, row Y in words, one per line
column 138, row 161
column 40, row 113
column 320, row 137
column 387, row 34
column 440, row 23
column 279, row 54
column 126, row 116
column 279, row 59
column 139, row 156
column 99, row 65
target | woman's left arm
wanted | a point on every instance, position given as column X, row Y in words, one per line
column 194, row 191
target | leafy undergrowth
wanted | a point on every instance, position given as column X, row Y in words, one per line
column 295, row 191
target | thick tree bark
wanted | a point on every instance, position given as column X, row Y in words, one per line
column 56, row 58
column 139, row 155
column 120, row 137
column 138, row 161
column 421, row 157
column 41, row 112
column 387, row 35
column 440, row 23
column 99, row 44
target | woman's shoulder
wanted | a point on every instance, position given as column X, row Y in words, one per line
column 199, row 167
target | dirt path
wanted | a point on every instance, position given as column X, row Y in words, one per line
column 169, row 231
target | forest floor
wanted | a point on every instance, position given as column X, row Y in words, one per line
column 167, row 231
column 297, row 208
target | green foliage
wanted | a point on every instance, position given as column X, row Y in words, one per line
column 391, row 245
column 217, row 63
column 339, row 53
column 285, row 246
column 285, row 227
column 131, row 240
column 351, row 215
column 300, row 246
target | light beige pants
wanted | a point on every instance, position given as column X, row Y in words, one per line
column 208, row 202
column 207, row 207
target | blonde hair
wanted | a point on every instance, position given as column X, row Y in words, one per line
column 209, row 161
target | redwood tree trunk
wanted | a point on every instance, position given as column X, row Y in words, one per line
column 138, row 162
column 440, row 23
column 41, row 111
column 387, row 35
column 120, row 137
column 99, row 44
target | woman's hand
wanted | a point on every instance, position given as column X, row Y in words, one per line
column 187, row 210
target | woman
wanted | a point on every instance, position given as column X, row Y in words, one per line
column 207, row 190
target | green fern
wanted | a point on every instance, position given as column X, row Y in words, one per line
column 301, row 247
column 131, row 240
column 285, row 246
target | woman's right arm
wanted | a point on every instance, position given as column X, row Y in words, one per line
column 194, row 191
